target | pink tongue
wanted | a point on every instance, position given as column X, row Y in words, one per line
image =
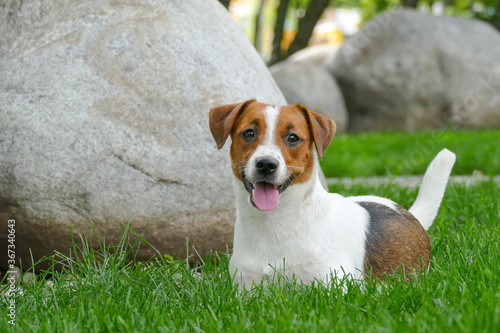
column 266, row 196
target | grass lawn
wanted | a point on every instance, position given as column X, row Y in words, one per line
column 102, row 291
column 398, row 153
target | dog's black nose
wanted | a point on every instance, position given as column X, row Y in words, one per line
column 267, row 166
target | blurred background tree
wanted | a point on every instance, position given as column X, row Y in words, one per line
column 280, row 28
column 486, row 10
column 225, row 3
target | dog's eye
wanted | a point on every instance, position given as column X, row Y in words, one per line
column 293, row 138
column 249, row 134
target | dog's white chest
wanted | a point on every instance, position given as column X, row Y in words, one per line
column 300, row 240
column 283, row 259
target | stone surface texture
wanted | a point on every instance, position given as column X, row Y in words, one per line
column 407, row 70
column 104, row 119
column 311, row 85
column 317, row 54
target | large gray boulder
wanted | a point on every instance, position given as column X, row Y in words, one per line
column 313, row 86
column 408, row 70
column 104, row 119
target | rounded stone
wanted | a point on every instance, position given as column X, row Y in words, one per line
column 104, row 120
column 407, row 70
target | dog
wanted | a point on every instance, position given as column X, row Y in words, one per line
column 287, row 223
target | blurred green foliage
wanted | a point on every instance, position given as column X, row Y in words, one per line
column 486, row 10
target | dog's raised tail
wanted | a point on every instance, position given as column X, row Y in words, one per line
column 431, row 191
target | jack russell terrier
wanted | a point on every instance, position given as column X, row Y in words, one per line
column 288, row 223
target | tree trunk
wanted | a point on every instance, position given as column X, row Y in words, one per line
column 306, row 25
column 409, row 3
column 225, row 3
column 278, row 31
column 257, row 41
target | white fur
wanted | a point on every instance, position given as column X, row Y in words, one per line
column 313, row 234
column 431, row 191
column 371, row 198
column 269, row 148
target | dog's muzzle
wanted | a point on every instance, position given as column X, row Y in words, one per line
column 262, row 187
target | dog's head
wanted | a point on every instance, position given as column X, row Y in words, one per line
column 272, row 146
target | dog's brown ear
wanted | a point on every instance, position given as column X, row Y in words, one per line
column 322, row 129
column 221, row 120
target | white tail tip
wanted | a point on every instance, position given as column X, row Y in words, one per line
column 432, row 189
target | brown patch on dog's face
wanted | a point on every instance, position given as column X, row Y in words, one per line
column 295, row 131
column 396, row 242
column 293, row 137
column 247, row 134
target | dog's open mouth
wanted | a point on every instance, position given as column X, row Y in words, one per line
column 265, row 196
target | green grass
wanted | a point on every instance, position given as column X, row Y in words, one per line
column 107, row 291
column 398, row 153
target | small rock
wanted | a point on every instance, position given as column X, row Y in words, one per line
column 314, row 87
